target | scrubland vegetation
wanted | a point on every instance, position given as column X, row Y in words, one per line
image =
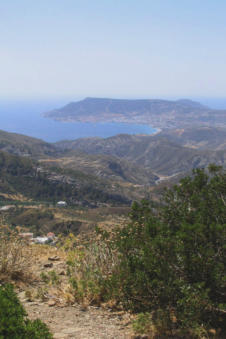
column 24, row 176
column 166, row 265
column 15, row 266
column 15, row 256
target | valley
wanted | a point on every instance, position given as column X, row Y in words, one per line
column 92, row 173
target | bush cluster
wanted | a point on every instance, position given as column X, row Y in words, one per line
column 13, row 321
column 171, row 259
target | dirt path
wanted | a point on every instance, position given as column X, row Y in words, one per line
column 67, row 320
column 80, row 323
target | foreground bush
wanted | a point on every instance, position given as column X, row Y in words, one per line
column 15, row 256
column 13, row 321
column 171, row 260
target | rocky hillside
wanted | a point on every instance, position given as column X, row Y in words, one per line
column 202, row 138
column 120, row 167
column 23, row 145
column 21, row 176
column 105, row 167
column 165, row 153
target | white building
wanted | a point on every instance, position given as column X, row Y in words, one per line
column 61, row 203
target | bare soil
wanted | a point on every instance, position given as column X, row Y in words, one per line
column 68, row 320
column 80, row 323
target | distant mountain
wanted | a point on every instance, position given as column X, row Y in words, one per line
column 96, row 106
column 158, row 113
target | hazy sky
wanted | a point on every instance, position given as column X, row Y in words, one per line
column 112, row 48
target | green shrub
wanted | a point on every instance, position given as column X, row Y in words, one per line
column 143, row 324
column 13, row 321
column 174, row 258
column 168, row 262
column 50, row 278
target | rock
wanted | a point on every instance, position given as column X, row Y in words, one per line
column 34, row 303
column 55, row 258
column 62, row 273
column 212, row 331
column 83, row 308
column 51, row 303
column 48, row 264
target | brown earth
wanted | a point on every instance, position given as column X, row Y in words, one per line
column 80, row 322
column 53, row 303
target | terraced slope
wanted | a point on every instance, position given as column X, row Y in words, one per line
column 22, row 176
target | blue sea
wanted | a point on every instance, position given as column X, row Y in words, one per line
column 26, row 118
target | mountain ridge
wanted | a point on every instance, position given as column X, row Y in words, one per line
column 164, row 153
column 124, row 165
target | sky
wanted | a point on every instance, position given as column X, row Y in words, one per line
column 112, row 48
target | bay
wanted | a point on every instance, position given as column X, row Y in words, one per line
column 26, row 118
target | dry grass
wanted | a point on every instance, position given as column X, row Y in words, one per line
column 22, row 264
column 15, row 257
column 17, row 197
column 41, row 253
column 90, row 266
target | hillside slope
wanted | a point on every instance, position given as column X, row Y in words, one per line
column 24, row 177
column 119, row 164
column 197, row 137
column 23, row 145
column 161, row 153
column 105, row 166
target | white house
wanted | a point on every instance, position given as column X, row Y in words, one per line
column 61, row 203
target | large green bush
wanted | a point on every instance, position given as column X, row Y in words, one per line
column 173, row 258
column 168, row 263
column 13, row 321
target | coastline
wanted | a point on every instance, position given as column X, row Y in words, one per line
column 53, row 130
